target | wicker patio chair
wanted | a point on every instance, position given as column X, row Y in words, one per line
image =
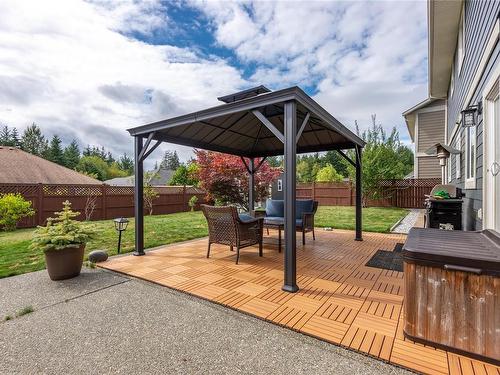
column 226, row 228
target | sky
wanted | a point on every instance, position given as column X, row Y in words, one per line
column 89, row 70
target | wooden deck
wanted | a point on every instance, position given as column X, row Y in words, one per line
column 341, row 300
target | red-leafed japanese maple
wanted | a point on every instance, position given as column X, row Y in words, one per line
column 225, row 178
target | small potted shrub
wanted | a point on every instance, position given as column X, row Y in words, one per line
column 63, row 242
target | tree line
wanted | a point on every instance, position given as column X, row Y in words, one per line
column 92, row 161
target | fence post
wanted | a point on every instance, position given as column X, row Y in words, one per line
column 184, row 199
column 314, row 191
column 40, row 204
column 103, row 201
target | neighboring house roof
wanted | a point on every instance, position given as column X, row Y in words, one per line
column 444, row 22
column 121, row 181
column 20, row 167
column 161, row 177
column 410, row 114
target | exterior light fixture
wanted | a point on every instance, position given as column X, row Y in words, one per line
column 120, row 226
column 469, row 115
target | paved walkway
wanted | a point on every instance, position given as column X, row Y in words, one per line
column 101, row 322
column 415, row 218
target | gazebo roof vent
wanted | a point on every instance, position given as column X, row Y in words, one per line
column 254, row 91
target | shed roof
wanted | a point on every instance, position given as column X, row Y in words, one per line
column 20, row 167
column 234, row 128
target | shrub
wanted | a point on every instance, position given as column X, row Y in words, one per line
column 192, row 202
column 13, row 207
column 62, row 232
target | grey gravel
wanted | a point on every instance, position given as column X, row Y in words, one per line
column 408, row 221
column 134, row 327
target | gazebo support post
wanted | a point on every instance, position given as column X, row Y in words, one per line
column 290, row 264
column 251, row 185
column 138, row 197
column 359, row 203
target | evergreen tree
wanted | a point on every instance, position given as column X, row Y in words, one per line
column 33, row 141
column 170, row 160
column 127, row 164
column 55, row 151
column 5, row 137
column 71, row 155
column 337, row 161
column 109, row 158
column 14, row 136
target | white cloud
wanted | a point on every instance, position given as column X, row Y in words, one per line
column 77, row 69
column 363, row 57
column 64, row 65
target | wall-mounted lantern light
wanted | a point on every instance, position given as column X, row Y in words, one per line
column 470, row 114
column 120, row 226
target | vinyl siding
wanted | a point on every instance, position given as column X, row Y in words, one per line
column 428, row 167
column 480, row 18
column 431, row 127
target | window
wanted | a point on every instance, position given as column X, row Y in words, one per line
column 461, row 41
column 280, row 185
column 470, row 157
column 458, row 157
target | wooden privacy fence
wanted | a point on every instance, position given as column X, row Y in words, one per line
column 408, row 193
column 99, row 202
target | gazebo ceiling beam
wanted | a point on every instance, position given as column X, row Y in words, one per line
column 268, row 124
column 146, row 145
column 154, row 147
column 202, row 145
column 304, row 123
column 226, row 129
column 344, row 155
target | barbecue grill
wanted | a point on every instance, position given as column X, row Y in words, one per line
column 444, row 213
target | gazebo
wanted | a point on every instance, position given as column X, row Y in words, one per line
column 255, row 123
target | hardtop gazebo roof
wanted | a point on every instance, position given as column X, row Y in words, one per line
column 254, row 123
column 237, row 127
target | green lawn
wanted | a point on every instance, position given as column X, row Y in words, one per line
column 16, row 258
column 375, row 219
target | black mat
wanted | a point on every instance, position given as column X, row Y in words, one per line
column 388, row 260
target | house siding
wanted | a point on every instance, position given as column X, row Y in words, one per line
column 428, row 167
column 430, row 129
column 480, row 19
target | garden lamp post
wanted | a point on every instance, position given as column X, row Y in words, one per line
column 120, row 226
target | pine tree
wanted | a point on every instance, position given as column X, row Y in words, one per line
column 109, row 158
column 14, row 136
column 71, row 155
column 5, row 137
column 170, row 160
column 55, row 151
column 126, row 164
column 33, row 141
column 87, row 151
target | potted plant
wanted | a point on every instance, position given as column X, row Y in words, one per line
column 63, row 242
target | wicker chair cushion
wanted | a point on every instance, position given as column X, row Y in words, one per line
column 275, row 208
column 245, row 217
column 273, row 220
column 303, row 206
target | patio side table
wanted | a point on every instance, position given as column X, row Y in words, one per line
column 275, row 224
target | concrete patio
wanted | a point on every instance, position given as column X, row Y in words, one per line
column 102, row 322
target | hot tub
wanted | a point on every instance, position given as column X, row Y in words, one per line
column 452, row 291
